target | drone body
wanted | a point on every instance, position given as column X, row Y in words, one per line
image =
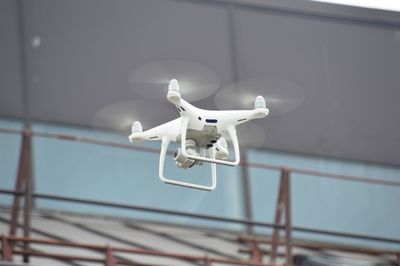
column 198, row 131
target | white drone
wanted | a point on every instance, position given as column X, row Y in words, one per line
column 198, row 130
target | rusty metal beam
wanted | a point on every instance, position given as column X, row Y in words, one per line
column 214, row 218
column 288, row 217
column 207, row 261
column 116, row 249
column 277, row 219
column 246, row 192
column 317, row 245
column 28, row 193
column 110, row 260
column 6, row 250
column 20, row 180
column 283, row 204
column 262, row 252
column 361, row 179
column 255, row 252
column 58, row 256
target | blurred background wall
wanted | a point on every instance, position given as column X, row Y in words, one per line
column 63, row 61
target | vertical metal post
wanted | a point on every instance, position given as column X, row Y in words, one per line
column 278, row 217
column 25, row 167
column 20, row 181
column 256, row 253
column 28, row 191
column 283, row 203
column 288, row 218
column 6, row 251
column 207, row 261
column 245, row 177
column 110, row 260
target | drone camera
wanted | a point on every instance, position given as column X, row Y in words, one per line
column 183, row 161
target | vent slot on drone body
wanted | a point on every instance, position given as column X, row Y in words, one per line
column 211, row 120
column 243, row 119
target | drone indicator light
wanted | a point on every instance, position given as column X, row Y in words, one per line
column 211, row 120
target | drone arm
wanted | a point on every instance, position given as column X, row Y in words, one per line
column 243, row 116
column 164, row 147
column 170, row 128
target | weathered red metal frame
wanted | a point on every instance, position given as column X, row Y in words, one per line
column 23, row 187
column 108, row 250
column 283, row 204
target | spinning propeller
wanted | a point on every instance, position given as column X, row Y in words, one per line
column 120, row 116
column 151, row 82
column 282, row 97
column 196, row 81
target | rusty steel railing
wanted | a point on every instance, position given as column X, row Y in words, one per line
column 107, row 250
column 23, row 189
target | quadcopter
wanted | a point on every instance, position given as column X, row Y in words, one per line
column 198, row 131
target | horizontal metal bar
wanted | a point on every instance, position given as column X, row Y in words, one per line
column 346, row 235
column 11, row 131
column 152, row 209
column 55, row 242
column 318, row 245
column 58, row 256
column 216, row 218
column 11, row 192
column 362, row 179
column 379, row 181
column 386, row 182
column 116, row 249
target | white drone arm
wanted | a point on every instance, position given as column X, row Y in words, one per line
column 164, row 147
column 169, row 129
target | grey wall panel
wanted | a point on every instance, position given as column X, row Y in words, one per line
column 10, row 71
column 349, row 71
column 89, row 49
